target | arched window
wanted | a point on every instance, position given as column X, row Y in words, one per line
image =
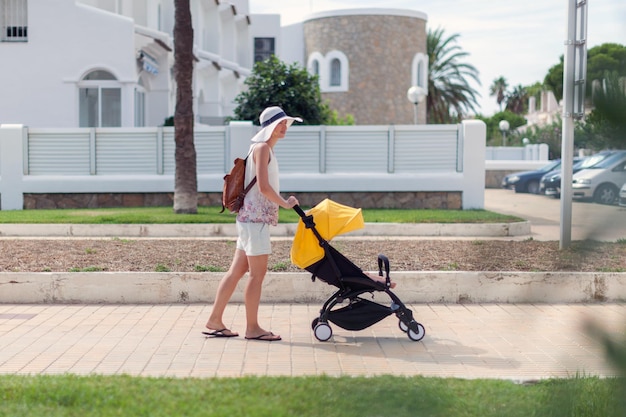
column 420, row 74
column 335, row 72
column 332, row 70
column 338, row 72
column 315, row 68
column 419, row 70
column 100, row 100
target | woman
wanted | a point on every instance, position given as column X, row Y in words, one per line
column 259, row 211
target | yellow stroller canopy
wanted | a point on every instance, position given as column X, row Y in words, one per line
column 331, row 219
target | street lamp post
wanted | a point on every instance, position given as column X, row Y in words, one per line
column 416, row 95
column 504, row 127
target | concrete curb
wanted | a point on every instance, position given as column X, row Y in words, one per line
column 413, row 287
column 282, row 230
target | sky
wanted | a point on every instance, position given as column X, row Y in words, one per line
column 518, row 40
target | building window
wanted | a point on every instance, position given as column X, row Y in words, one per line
column 335, row 73
column 13, row 21
column 315, row 68
column 338, row 72
column 263, row 48
column 419, row 70
column 100, row 100
column 315, row 65
column 332, row 70
column 420, row 74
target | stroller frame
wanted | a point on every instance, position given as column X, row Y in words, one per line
column 360, row 313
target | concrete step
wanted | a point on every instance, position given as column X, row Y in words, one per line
column 413, row 287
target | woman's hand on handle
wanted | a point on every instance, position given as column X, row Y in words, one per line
column 290, row 202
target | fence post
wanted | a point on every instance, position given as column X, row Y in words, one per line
column 474, row 138
column 240, row 134
column 11, row 166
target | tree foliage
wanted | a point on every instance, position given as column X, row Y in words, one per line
column 609, row 57
column 605, row 127
column 551, row 135
column 450, row 96
column 498, row 90
column 494, row 136
column 517, row 100
column 274, row 83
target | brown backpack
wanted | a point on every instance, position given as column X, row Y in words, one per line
column 234, row 191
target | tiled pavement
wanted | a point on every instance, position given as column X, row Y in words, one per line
column 508, row 341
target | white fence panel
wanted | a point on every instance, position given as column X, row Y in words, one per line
column 300, row 150
column 432, row 149
column 58, row 152
column 121, row 153
column 357, row 149
column 210, row 150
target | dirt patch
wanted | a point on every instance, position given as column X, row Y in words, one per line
column 180, row 255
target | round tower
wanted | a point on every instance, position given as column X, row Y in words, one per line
column 367, row 59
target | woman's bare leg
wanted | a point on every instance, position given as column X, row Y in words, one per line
column 252, row 296
column 226, row 288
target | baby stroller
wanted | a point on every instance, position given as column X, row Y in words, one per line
column 312, row 252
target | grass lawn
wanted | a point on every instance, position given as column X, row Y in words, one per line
column 67, row 395
column 165, row 215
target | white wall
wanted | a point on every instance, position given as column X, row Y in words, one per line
column 69, row 38
column 39, row 76
column 292, row 49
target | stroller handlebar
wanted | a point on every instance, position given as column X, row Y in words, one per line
column 299, row 211
column 308, row 221
column 382, row 259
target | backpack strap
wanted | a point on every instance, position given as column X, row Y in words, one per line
column 249, row 187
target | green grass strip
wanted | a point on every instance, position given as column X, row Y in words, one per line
column 165, row 215
column 68, row 395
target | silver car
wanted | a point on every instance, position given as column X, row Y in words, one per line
column 601, row 182
column 622, row 196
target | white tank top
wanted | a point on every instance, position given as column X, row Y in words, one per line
column 256, row 207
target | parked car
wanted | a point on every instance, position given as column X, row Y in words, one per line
column 550, row 183
column 528, row 181
column 622, row 196
column 601, row 182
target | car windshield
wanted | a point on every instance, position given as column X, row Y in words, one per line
column 606, row 163
column 551, row 166
column 592, row 160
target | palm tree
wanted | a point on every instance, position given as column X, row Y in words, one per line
column 186, row 181
column 450, row 96
column 498, row 89
column 516, row 100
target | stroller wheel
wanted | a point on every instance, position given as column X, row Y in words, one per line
column 322, row 332
column 418, row 335
column 403, row 326
column 314, row 323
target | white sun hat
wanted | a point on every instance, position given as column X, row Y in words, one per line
column 271, row 117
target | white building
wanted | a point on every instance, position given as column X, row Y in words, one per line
column 109, row 63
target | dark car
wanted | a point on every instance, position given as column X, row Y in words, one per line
column 528, row 181
column 550, row 183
